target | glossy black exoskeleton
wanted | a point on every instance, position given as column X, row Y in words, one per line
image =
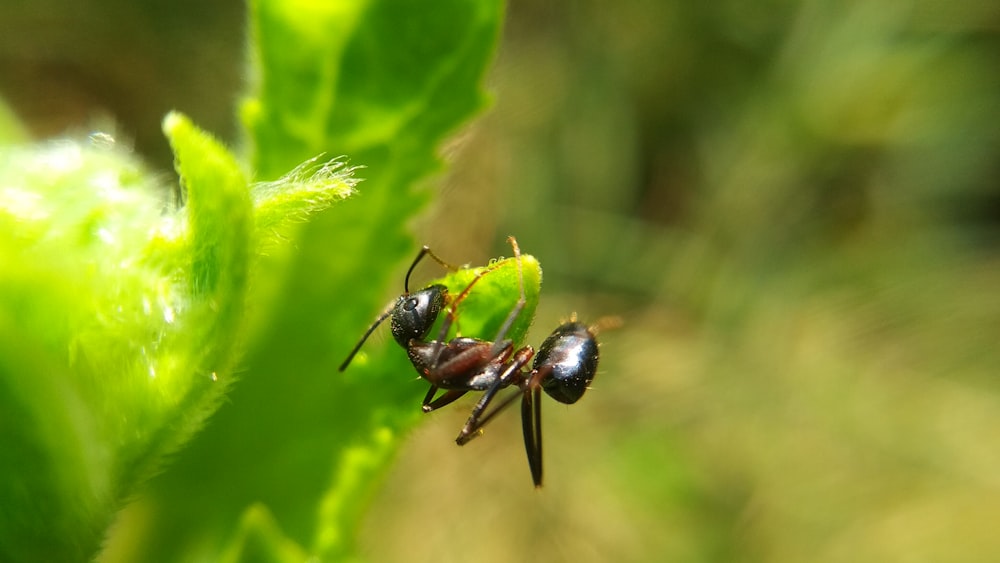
column 563, row 367
column 570, row 354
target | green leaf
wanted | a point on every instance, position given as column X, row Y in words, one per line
column 309, row 188
column 382, row 82
column 118, row 317
column 218, row 249
column 493, row 296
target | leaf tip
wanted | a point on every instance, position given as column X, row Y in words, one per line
column 173, row 121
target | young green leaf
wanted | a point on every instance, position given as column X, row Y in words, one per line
column 311, row 187
column 118, row 316
column 494, row 296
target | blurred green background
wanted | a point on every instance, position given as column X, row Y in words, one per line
column 793, row 206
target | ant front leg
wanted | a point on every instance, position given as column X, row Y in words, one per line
column 500, row 341
column 450, row 396
column 511, row 375
column 451, row 317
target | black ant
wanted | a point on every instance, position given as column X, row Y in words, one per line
column 563, row 367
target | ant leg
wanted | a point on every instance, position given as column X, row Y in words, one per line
column 499, row 345
column 453, row 307
column 531, row 425
column 477, row 420
column 425, row 251
column 452, row 315
column 522, row 300
column 475, row 424
column 447, row 398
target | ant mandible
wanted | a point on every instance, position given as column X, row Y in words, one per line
column 563, row 367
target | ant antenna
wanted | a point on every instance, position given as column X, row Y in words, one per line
column 425, row 251
column 368, row 333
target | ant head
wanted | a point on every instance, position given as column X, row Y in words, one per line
column 414, row 314
column 570, row 356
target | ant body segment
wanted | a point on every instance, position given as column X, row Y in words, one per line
column 563, row 366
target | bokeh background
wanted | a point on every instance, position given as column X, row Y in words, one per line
column 792, row 205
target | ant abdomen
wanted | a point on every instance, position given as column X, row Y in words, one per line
column 570, row 356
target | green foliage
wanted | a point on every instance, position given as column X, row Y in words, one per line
column 125, row 320
column 118, row 322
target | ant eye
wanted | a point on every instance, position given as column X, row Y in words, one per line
column 410, row 304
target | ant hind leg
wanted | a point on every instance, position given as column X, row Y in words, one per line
column 531, row 425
